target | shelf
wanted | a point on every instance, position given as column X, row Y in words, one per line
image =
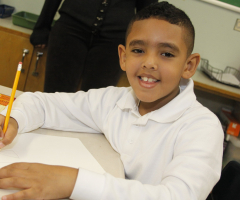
column 7, row 23
column 204, row 83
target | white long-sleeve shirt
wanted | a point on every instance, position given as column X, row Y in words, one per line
column 173, row 153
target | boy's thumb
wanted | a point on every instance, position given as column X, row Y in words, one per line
column 1, row 138
column 1, row 144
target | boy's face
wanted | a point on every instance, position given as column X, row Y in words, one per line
column 155, row 59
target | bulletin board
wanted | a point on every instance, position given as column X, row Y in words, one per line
column 232, row 2
column 233, row 5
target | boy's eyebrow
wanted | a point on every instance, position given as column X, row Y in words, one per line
column 162, row 44
column 169, row 45
column 136, row 42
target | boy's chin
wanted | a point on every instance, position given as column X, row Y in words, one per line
column 146, row 99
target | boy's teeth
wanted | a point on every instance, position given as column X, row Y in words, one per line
column 148, row 79
column 144, row 78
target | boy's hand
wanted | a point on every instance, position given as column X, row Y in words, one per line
column 11, row 132
column 38, row 181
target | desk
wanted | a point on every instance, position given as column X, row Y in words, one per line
column 97, row 145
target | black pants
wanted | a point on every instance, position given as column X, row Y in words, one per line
column 75, row 55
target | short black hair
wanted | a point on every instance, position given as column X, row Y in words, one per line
column 168, row 12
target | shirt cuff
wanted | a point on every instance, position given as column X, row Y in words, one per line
column 89, row 185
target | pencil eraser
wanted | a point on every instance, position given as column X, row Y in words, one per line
column 20, row 63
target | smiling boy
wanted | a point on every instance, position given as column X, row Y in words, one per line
column 170, row 145
column 156, row 60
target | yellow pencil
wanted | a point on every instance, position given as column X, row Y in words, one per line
column 15, row 84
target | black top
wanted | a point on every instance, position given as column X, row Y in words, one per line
column 108, row 18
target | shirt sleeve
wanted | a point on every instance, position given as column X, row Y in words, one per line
column 43, row 26
column 140, row 4
column 78, row 112
column 192, row 173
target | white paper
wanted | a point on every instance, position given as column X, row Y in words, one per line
column 46, row 149
column 230, row 78
column 226, row 78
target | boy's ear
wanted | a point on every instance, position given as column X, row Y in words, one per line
column 122, row 56
column 191, row 65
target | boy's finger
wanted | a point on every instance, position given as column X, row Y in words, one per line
column 10, row 134
column 7, row 138
column 18, row 170
column 22, row 184
column 2, row 118
column 2, row 144
column 23, row 194
column 15, row 182
column 1, row 134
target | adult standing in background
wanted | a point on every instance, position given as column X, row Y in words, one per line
column 82, row 45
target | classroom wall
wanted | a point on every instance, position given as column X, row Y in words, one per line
column 215, row 38
column 33, row 6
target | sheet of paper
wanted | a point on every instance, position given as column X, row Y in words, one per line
column 227, row 78
column 46, row 149
column 230, row 78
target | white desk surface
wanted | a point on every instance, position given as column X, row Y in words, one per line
column 97, row 145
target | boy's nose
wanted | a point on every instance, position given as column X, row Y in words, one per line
column 150, row 63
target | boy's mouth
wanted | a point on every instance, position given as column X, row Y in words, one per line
column 147, row 79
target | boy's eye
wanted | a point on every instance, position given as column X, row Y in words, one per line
column 168, row 55
column 137, row 51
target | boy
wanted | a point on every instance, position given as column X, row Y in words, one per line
column 170, row 145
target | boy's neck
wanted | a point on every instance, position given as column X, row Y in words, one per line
column 146, row 107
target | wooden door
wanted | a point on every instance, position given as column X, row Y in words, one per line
column 12, row 44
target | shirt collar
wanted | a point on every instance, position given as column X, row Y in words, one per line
column 168, row 113
column 128, row 101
